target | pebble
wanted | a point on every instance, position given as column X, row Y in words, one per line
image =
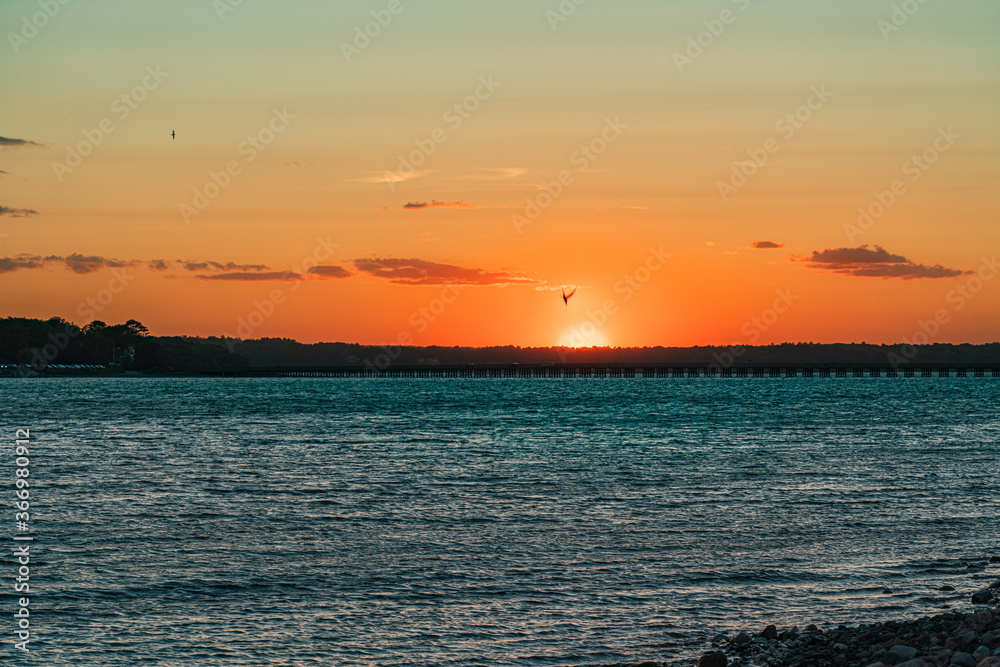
column 904, row 653
column 963, row 660
column 982, row 597
column 741, row 639
column 715, row 659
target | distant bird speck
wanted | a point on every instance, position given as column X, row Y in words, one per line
column 566, row 297
column 173, row 135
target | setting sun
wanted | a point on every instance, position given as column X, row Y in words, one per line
column 585, row 334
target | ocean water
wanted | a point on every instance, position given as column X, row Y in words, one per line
column 488, row 521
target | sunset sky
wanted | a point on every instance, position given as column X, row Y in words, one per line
column 734, row 171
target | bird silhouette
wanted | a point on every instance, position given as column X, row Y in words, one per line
column 566, row 297
column 173, row 135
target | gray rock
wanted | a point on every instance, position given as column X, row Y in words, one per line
column 719, row 639
column 982, row 597
column 713, row 659
column 904, row 653
column 876, row 664
column 995, row 584
column 946, row 587
column 963, row 660
column 916, row 662
column 980, row 653
column 741, row 639
column 770, row 632
column 995, row 559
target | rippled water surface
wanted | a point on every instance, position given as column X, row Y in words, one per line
column 528, row 522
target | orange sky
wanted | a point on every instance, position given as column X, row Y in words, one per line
column 713, row 159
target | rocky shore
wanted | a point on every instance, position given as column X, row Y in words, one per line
column 953, row 639
column 959, row 639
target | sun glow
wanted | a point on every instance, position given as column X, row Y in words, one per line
column 583, row 335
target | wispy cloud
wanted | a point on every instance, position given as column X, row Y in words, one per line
column 251, row 276
column 196, row 265
column 414, row 205
column 766, row 245
column 17, row 212
column 493, row 174
column 422, row 272
column 329, row 272
column 82, row 264
column 8, row 142
column 634, row 208
column 77, row 263
column 874, row 262
column 391, row 177
column 8, row 264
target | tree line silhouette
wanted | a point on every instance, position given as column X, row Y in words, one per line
column 55, row 342
column 39, row 344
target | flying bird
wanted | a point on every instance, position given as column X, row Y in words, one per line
column 566, row 297
column 173, row 135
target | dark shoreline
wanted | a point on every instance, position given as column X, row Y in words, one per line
column 968, row 637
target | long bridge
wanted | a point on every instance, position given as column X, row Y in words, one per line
column 627, row 370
